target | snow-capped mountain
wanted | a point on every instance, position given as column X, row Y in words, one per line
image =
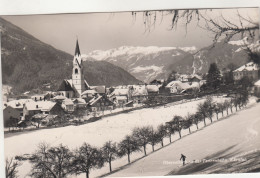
column 148, row 63
column 145, row 63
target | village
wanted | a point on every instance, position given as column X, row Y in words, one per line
column 76, row 102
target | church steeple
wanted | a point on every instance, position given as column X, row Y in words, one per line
column 78, row 80
column 77, row 51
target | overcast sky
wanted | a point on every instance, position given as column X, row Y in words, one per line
column 102, row 31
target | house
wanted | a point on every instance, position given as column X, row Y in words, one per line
column 101, row 90
column 120, row 96
column 139, row 93
column 121, row 100
column 35, row 107
column 58, row 99
column 153, row 89
column 74, row 87
column 79, row 103
column 250, row 70
column 257, row 88
column 68, row 105
column 11, row 116
column 100, row 103
column 177, row 87
column 18, row 104
column 183, row 77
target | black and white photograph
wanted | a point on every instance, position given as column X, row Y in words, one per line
column 134, row 93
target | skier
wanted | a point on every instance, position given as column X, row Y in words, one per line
column 183, row 157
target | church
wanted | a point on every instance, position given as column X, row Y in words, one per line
column 74, row 87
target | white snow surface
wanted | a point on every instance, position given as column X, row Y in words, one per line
column 113, row 128
column 238, row 134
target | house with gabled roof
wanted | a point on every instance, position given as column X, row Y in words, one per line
column 100, row 103
column 250, row 70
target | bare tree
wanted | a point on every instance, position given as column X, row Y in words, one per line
column 142, row 135
column 197, row 117
column 86, row 158
column 203, row 111
column 162, row 132
column 178, row 124
column 217, row 109
column 11, row 168
column 170, row 129
column 51, row 162
column 127, row 146
column 222, row 108
column 109, row 151
column 153, row 137
column 209, row 106
column 236, row 102
column 226, row 105
column 187, row 123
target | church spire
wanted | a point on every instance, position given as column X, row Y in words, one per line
column 77, row 51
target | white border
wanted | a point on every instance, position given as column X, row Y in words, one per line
column 26, row 7
column 18, row 7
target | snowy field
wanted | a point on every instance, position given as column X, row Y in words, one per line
column 238, row 135
column 97, row 133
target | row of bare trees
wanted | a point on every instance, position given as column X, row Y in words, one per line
column 60, row 161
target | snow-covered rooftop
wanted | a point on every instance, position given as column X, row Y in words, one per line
column 40, row 105
column 94, row 100
column 18, row 104
column 120, row 91
column 68, row 102
column 153, row 88
column 121, row 97
column 251, row 66
column 89, row 92
column 173, row 83
column 257, row 83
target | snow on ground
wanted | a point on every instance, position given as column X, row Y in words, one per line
column 97, row 133
column 237, row 135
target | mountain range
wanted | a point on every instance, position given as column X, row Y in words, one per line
column 28, row 63
column 148, row 63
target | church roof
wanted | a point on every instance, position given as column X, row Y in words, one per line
column 65, row 86
column 77, row 51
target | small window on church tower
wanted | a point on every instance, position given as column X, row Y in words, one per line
column 76, row 71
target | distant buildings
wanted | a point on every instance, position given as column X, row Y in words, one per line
column 250, row 70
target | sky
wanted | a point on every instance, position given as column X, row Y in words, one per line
column 103, row 31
